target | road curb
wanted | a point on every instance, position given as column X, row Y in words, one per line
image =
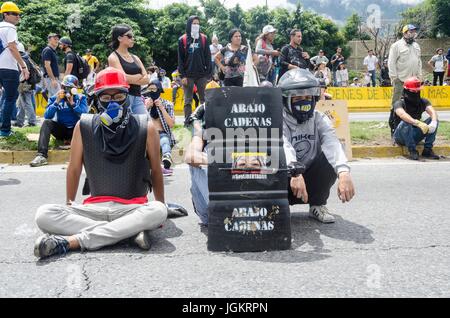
column 62, row 156
column 25, row 157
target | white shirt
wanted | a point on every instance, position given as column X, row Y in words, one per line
column 214, row 50
column 166, row 82
column 8, row 34
column 371, row 62
column 439, row 61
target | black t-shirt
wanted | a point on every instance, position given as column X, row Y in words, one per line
column 413, row 110
column 71, row 58
column 340, row 59
column 294, row 56
column 49, row 54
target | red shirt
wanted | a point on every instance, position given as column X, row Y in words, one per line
column 139, row 200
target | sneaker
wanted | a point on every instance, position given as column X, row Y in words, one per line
column 143, row 240
column 167, row 172
column 48, row 245
column 39, row 161
column 320, row 213
column 413, row 155
column 428, row 153
column 16, row 124
column 167, row 161
column 6, row 134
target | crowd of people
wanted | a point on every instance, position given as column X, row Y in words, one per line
column 129, row 137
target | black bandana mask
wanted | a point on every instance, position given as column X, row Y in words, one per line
column 116, row 139
column 303, row 110
column 412, row 97
column 410, row 40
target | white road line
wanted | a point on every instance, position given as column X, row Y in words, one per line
column 362, row 162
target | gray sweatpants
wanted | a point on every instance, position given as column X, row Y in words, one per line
column 100, row 224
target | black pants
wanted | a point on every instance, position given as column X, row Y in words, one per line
column 50, row 127
column 319, row 179
column 234, row 81
column 436, row 76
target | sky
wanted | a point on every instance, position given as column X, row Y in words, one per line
column 247, row 4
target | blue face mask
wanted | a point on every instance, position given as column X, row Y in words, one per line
column 112, row 114
column 303, row 110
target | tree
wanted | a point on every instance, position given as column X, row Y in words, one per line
column 89, row 24
column 351, row 30
column 431, row 17
column 441, row 10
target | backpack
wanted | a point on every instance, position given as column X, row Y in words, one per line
column 83, row 69
column 35, row 72
column 184, row 39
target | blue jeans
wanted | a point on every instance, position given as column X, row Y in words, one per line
column 137, row 105
column 200, row 192
column 25, row 106
column 164, row 142
column 9, row 79
column 51, row 91
column 373, row 76
column 409, row 135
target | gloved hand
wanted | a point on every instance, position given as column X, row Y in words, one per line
column 432, row 127
column 424, row 127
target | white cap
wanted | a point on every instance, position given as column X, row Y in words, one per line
column 20, row 47
column 269, row 29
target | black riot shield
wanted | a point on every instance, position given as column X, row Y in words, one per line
column 247, row 175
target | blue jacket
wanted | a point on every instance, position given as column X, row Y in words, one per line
column 65, row 114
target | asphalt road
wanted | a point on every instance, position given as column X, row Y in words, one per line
column 392, row 240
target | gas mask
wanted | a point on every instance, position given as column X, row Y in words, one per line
column 114, row 108
column 195, row 31
column 302, row 110
column 112, row 115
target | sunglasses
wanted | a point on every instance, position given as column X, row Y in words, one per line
column 14, row 14
column 130, row 36
column 118, row 97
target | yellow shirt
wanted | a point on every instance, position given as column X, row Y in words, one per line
column 92, row 61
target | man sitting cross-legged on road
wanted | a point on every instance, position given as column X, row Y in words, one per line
column 117, row 149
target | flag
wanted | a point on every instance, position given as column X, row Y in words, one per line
column 251, row 74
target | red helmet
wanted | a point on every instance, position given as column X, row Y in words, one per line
column 111, row 78
column 412, row 84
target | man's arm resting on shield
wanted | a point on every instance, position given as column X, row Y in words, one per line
column 75, row 165
column 194, row 154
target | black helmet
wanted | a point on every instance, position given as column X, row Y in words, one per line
column 300, row 82
column 66, row 41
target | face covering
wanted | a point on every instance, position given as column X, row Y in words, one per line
column 154, row 95
column 412, row 97
column 303, row 110
column 410, row 38
column 116, row 130
column 195, row 31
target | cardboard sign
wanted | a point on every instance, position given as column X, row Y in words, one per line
column 337, row 112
